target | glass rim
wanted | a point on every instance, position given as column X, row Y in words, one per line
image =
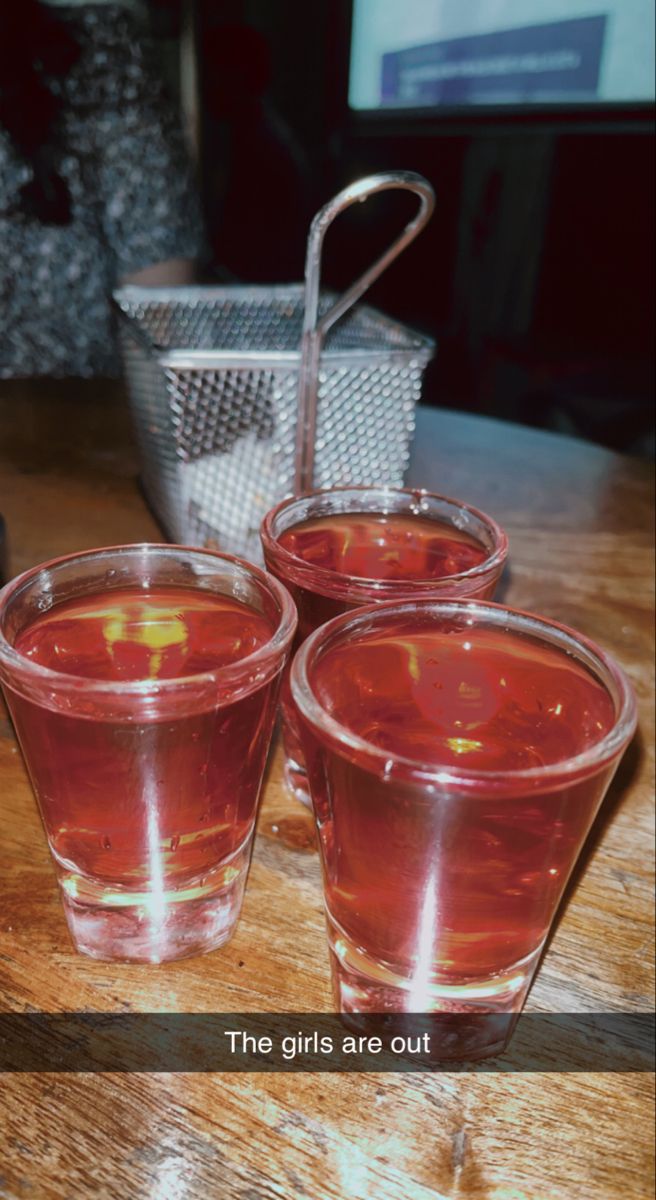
column 329, row 729
column 64, row 681
column 332, row 580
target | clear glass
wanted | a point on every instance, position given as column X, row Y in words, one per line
column 321, row 594
column 148, row 787
column 441, row 881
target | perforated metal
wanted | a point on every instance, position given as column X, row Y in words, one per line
column 213, row 382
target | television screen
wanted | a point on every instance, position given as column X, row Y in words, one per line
column 456, row 53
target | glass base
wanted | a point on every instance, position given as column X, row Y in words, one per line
column 478, row 1015
column 115, row 925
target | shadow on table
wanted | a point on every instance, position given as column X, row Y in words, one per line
column 625, row 776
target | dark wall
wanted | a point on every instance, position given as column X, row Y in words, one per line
column 535, row 274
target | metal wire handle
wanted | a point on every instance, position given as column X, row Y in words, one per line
column 315, row 328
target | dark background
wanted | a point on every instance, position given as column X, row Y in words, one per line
column 535, row 275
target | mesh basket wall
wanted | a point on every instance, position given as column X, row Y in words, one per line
column 213, row 381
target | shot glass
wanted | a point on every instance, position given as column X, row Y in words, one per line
column 142, row 682
column 340, row 549
column 457, row 754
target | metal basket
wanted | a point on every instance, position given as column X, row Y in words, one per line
column 242, row 395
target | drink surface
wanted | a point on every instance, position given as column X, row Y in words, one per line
column 373, row 545
column 473, row 698
column 431, row 884
column 132, row 634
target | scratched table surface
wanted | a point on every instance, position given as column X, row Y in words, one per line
column 579, row 520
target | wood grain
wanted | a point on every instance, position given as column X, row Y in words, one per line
column 579, row 523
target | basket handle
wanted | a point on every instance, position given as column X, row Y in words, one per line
column 315, row 328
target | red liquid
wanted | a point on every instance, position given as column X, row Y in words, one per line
column 444, row 885
column 133, row 634
column 148, row 806
column 393, row 547
column 377, row 546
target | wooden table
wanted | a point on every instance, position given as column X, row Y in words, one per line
column 579, row 520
